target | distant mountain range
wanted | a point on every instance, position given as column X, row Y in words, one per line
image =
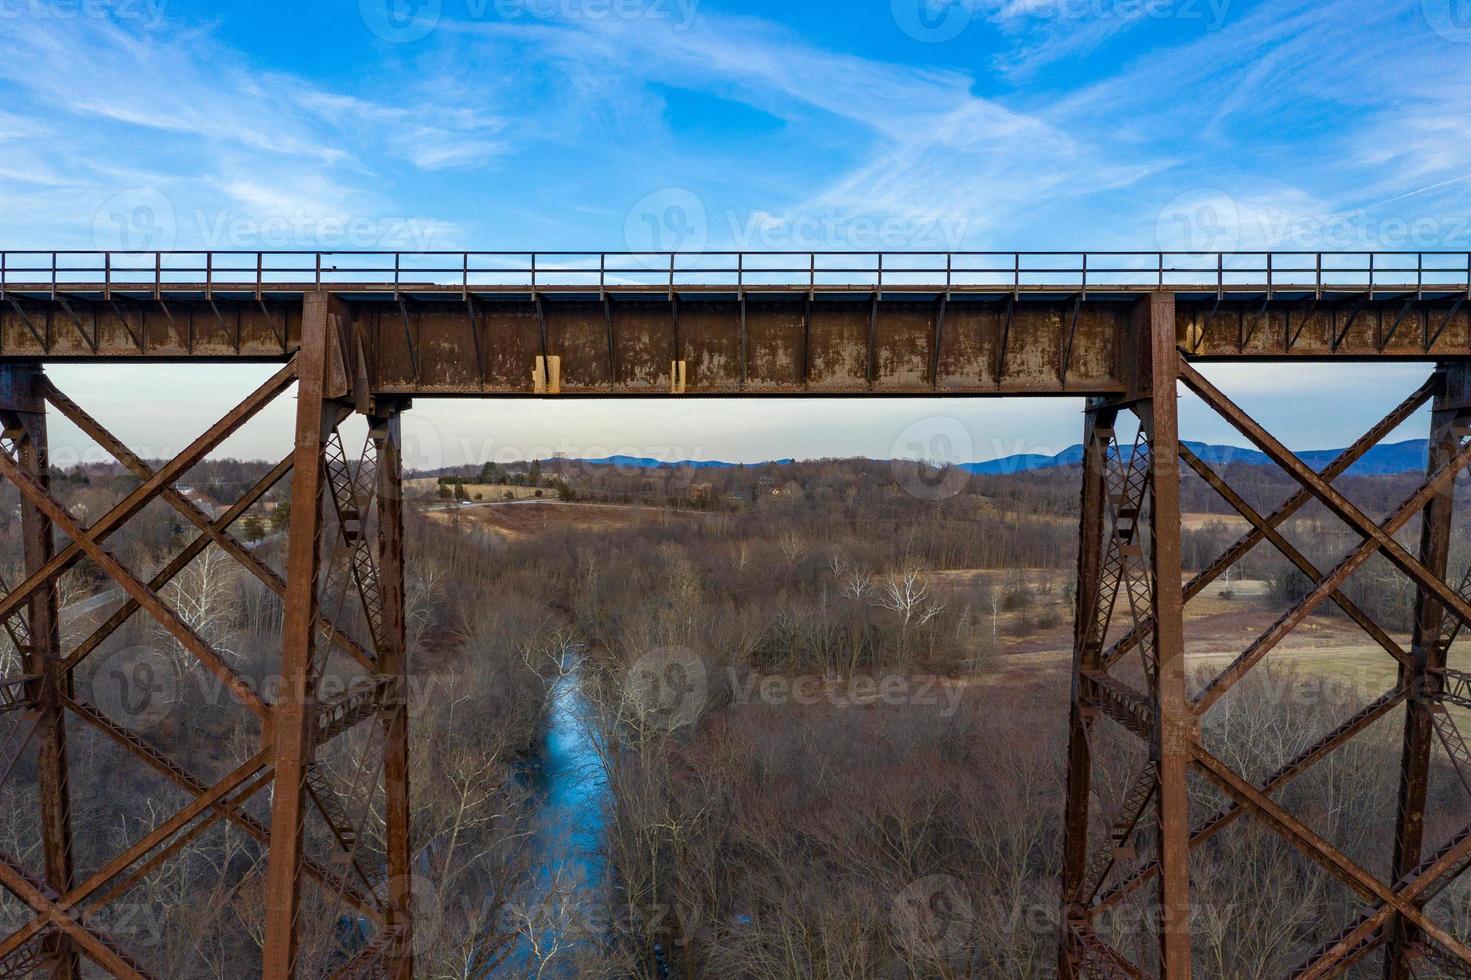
column 1396, row 457
column 645, row 463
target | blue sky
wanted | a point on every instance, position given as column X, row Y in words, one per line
column 586, row 124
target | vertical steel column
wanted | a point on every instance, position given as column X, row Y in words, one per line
column 293, row 718
column 1087, row 651
column 1174, row 722
column 26, row 410
column 393, row 666
column 1428, row 653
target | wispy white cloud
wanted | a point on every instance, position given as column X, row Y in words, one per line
column 922, row 147
column 216, row 150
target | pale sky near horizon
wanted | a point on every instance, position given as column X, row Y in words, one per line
column 445, row 432
column 885, row 124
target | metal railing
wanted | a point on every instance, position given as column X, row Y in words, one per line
column 262, row 271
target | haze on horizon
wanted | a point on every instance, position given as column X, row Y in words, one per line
column 452, row 432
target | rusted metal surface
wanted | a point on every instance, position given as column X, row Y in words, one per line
column 434, row 341
column 1174, row 730
column 1398, row 917
column 1123, row 572
column 39, row 639
column 1423, row 673
column 64, row 910
column 292, row 738
column 393, row 667
column 1089, row 625
column 762, row 345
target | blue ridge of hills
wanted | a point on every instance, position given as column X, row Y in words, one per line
column 1389, row 458
column 646, row 463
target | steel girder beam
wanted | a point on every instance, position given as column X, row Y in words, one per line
column 1291, row 506
column 1423, row 675
column 384, row 430
column 1169, row 720
column 24, row 413
column 1412, row 887
column 1098, row 434
column 58, row 932
column 135, row 501
column 214, row 531
column 59, row 928
column 346, row 537
column 1112, row 566
column 294, row 742
column 1174, row 725
column 1402, row 900
column 804, row 338
column 101, row 949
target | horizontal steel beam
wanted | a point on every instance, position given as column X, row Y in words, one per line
column 833, row 341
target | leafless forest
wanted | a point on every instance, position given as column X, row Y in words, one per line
column 828, row 702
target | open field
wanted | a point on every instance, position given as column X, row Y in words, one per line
column 526, row 518
column 487, row 491
column 1194, row 522
column 1037, row 637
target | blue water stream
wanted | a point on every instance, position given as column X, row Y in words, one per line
column 568, row 832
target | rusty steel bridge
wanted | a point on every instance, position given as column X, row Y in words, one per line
column 364, row 333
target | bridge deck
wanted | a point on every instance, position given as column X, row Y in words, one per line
column 821, row 325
